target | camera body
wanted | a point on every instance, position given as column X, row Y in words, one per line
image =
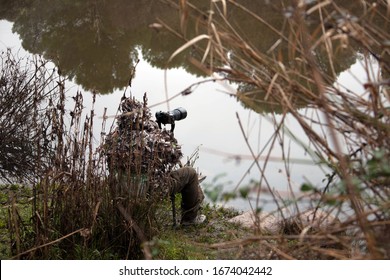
column 170, row 117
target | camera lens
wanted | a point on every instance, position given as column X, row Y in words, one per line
column 179, row 113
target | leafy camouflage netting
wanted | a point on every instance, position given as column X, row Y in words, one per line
column 138, row 148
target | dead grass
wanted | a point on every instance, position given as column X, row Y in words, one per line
column 85, row 201
column 76, row 211
column 348, row 131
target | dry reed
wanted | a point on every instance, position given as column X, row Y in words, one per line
column 348, row 132
column 77, row 208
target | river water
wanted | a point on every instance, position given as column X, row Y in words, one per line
column 211, row 124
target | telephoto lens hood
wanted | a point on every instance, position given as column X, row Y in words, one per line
column 178, row 114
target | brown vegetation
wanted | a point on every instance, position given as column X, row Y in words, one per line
column 74, row 209
column 348, row 131
column 83, row 201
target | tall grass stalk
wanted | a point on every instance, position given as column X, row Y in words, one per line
column 76, row 207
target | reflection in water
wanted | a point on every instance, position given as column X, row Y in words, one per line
column 97, row 42
column 94, row 41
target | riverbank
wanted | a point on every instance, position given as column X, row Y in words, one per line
column 219, row 238
column 223, row 238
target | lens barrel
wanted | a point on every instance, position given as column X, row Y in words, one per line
column 178, row 114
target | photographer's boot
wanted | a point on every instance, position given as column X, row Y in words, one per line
column 200, row 219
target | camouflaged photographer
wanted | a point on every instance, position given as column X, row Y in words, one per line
column 145, row 161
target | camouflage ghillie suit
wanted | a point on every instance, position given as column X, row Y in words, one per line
column 144, row 160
